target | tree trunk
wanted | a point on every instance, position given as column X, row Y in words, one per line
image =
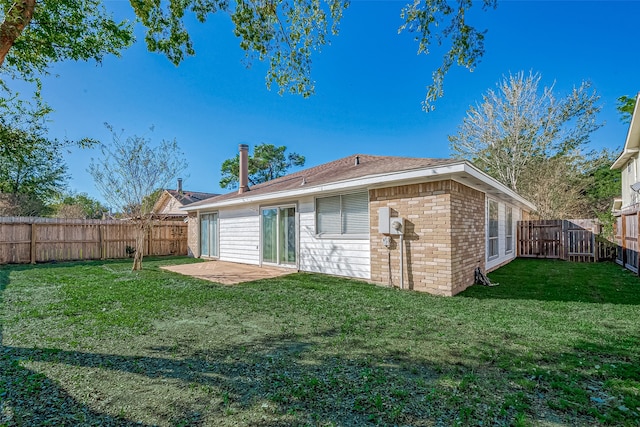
column 139, row 253
column 15, row 21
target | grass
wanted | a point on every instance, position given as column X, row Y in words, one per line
column 95, row 344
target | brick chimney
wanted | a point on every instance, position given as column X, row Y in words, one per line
column 243, row 171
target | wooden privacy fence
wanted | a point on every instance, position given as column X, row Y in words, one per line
column 31, row 240
column 576, row 240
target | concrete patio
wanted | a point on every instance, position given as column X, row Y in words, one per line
column 228, row 273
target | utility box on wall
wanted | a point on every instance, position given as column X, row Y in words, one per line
column 388, row 224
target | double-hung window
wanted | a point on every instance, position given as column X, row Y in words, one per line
column 346, row 214
column 493, row 229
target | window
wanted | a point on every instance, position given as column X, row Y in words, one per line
column 493, row 229
column 508, row 232
column 346, row 214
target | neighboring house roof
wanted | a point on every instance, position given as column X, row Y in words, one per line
column 171, row 200
column 632, row 143
column 364, row 171
column 187, row 197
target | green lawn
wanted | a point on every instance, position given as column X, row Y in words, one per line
column 96, row 344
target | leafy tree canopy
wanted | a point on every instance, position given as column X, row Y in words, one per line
column 625, row 107
column 520, row 122
column 37, row 33
column 533, row 142
column 80, row 205
column 267, row 162
column 30, row 162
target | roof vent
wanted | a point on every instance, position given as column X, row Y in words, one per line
column 304, row 181
column 357, row 161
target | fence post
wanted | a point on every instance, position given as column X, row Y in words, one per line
column 101, row 239
column 149, row 234
column 33, row 243
column 564, row 239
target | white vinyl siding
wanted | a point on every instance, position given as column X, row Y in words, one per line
column 341, row 256
column 240, row 235
column 346, row 214
column 629, row 177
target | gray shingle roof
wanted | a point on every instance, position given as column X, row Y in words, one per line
column 188, row 197
column 336, row 171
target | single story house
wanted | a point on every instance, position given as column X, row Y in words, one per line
column 416, row 223
column 626, row 208
column 170, row 202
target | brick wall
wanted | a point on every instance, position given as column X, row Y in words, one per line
column 467, row 235
column 192, row 235
column 444, row 236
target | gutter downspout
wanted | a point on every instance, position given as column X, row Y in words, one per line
column 401, row 261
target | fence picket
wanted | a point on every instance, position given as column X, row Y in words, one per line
column 33, row 239
column 571, row 240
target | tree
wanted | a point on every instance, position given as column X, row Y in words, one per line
column 603, row 182
column 37, row 33
column 286, row 33
column 129, row 172
column 267, row 162
column 625, row 107
column 556, row 186
column 21, row 205
column 79, row 206
column 34, row 34
column 32, row 169
column 603, row 186
column 31, row 166
column 518, row 123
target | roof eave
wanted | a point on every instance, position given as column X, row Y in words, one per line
column 632, row 143
column 372, row 181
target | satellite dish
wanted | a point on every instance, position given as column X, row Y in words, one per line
column 636, row 187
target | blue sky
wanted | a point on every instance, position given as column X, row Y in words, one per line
column 369, row 86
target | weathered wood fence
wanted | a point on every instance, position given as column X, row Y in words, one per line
column 575, row 240
column 31, row 240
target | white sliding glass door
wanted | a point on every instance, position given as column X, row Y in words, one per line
column 209, row 235
column 279, row 235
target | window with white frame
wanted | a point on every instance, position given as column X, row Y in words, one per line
column 346, row 214
column 492, row 236
column 508, row 230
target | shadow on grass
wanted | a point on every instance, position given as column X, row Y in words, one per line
column 30, row 398
column 554, row 280
column 285, row 379
column 273, row 382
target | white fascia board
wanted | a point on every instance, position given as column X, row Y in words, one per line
column 373, row 181
column 351, row 184
column 624, row 158
column 632, row 143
